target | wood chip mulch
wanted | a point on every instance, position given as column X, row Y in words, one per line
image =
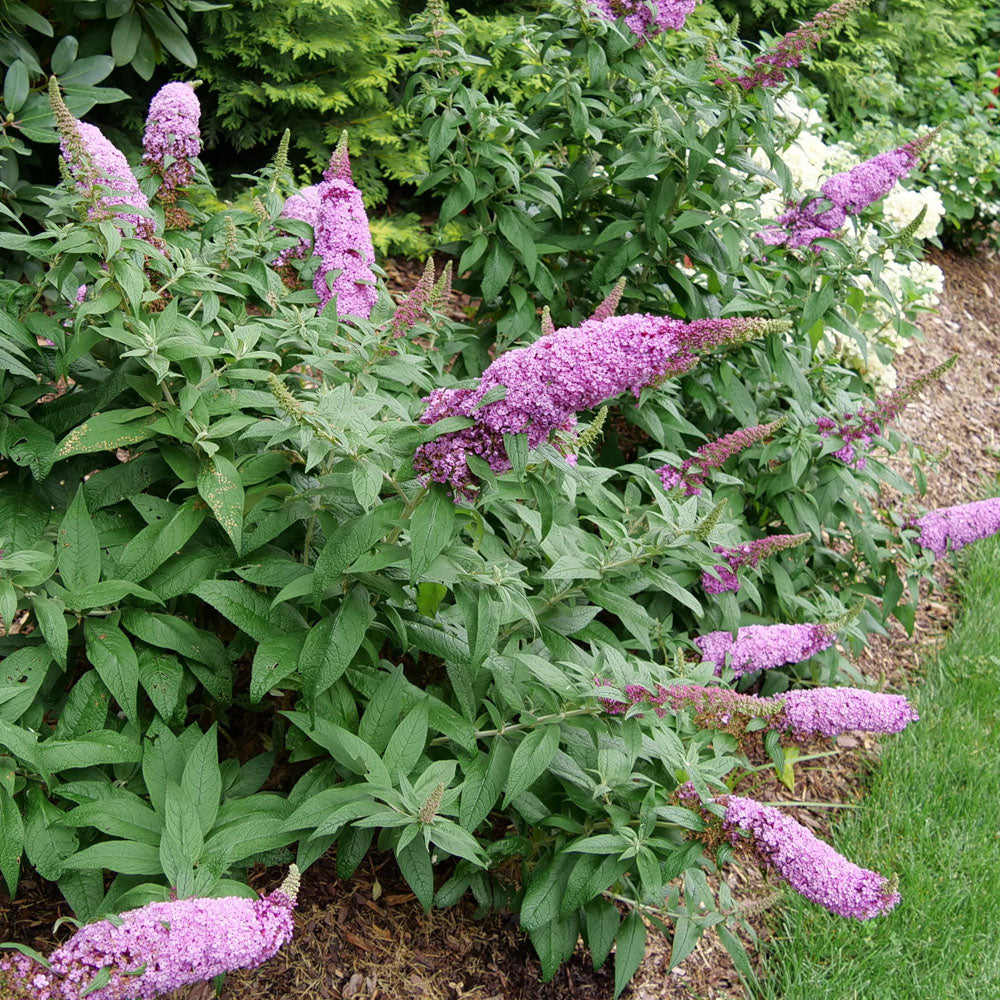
column 367, row 938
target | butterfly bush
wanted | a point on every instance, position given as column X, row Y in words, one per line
column 745, row 554
column 694, row 470
column 949, row 529
column 810, row 866
column 574, row 368
column 644, row 18
column 159, row 948
column 763, row 647
column 790, row 49
column 172, row 138
column 845, row 193
column 342, row 240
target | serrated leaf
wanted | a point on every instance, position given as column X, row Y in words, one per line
column 124, row 856
column 406, row 745
column 78, row 546
column 630, row 950
column 107, row 432
column 484, row 781
column 382, row 712
column 112, row 655
column 274, row 660
column 351, row 540
column 202, row 779
column 554, row 943
column 543, row 892
column 531, row 759
column 415, row 864
column 103, row 747
column 47, row 842
column 246, row 608
column 221, row 488
column 52, row 625
column 158, row 542
column 332, row 643
column 11, row 840
column 431, row 526
column 602, row 920
column 161, row 677
column 22, row 515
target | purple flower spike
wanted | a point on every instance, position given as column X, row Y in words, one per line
column 788, row 51
column 747, row 554
column 572, row 369
column 763, row 647
column 694, row 471
column 109, row 178
column 643, row 18
column 172, row 135
column 159, row 947
column 952, row 528
column 810, row 866
column 846, row 193
column 831, row 711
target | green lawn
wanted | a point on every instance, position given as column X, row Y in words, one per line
column 933, row 817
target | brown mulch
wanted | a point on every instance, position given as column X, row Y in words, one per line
column 367, row 937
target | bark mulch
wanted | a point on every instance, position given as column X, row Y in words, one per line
column 367, row 937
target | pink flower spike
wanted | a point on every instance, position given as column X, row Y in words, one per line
column 810, row 866
column 172, row 134
column 949, row 529
column 763, row 647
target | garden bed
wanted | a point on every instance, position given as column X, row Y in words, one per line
column 368, row 937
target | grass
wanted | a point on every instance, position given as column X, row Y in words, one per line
column 933, row 817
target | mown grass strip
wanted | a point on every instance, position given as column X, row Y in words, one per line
column 932, row 816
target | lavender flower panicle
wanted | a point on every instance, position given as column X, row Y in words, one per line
column 846, row 193
column 810, row 866
column 788, row 51
column 694, row 471
column 641, row 18
column 830, row 711
column 336, row 211
column 103, row 176
column 571, row 369
column 952, row 528
column 172, row 135
column 159, row 947
column 763, row 647
column 747, row 554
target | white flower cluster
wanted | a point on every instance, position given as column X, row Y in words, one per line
column 902, row 205
column 914, row 287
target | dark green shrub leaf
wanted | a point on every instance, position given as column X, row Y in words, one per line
column 79, row 547
column 630, row 950
column 112, row 655
column 531, row 759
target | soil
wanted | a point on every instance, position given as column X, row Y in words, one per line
column 368, row 938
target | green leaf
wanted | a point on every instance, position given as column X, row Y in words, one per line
column 406, row 745
column 177, row 635
column 602, row 925
column 351, row 540
column 8, row 603
column 15, row 85
column 531, row 759
column 158, row 542
column 415, row 864
column 99, row 981
column 543, row 892
column 202, row 779
column 379, row 720
column 78, row 547
column 170, row 36
column 124, row 856
column 497, row 271
column 112, row 655
column 106, row 593
column 429, row 597
column 47, row 841
column 52, row 625
column 351, row 751
column 102, row 747
column 22, row 515
column 431, row 527
column 246, row 608
column 630, row 951
column 64, row 55
column 221, row 488
column 107, row 432
column 22, row 674
column 686, row 934
column 11, row 840
column 554, row 943
column 331, row 645
column 275, row 660
column 120, row 814
column 484, row 781
column 162, row 678
column 182, row 842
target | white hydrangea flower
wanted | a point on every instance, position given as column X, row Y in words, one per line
column 902, row 205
